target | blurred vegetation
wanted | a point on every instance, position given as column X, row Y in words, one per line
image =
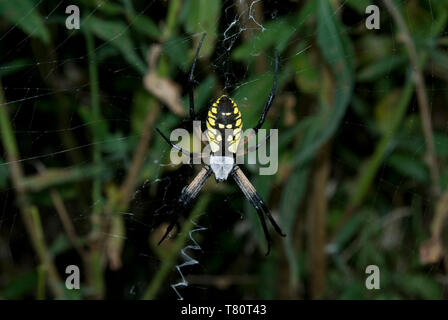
column 363, row 148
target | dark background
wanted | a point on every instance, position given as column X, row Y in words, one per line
column 363, row 149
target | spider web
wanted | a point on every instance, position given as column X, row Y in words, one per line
column 34, row 86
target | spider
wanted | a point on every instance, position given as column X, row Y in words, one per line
column 224, row 124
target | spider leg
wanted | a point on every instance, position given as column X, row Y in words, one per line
column 252, row 149
column 271, row 96
column 188, row 194
column 198, row 133
column 168, row 230
column 265, row 227
column 190, row 78
column 192, row 155
column 173, row 223
column 270, row 217
column 256, row 201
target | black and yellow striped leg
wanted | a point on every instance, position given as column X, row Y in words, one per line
column 190, row 79
column 256, row 201
column 271, row 96
column 188, row 194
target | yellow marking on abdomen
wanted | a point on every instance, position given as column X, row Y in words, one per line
column 211, row 121
column 238, row 123
column 210, row 115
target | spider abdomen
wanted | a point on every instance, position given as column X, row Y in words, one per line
column 224, row 124
column 221, row 167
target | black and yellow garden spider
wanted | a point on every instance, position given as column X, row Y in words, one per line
column 224, row 128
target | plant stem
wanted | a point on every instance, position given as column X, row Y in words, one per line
column 96, row 268
column 171, row 257
column 94, row 99
column 53, row 177
column 29, row 213
column 41, row 275
column 138, row 158
column 172, row 18
column 372, row 165
column 422, row 97
column 69, row 228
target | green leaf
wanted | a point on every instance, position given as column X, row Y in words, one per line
column 203, row 93
column 359, row 5
column 373, row 47
column 418, row 286
column 381, row 68
column 337, row 50
column 25, row 15
column 60, row 245
column 116, row 33
column 251, row 98
column 440, row 57
column 338, row 53
column 277, row 33
column 384, row 109
column 347, row 232
column 145, row 26
column 140, row 22
column 372, row 165
column 4, row 174
column 14, row 66
column 142, row 104
column 107, row 7
column 441, row 144
column 54, row 177
column 177, row 50
column 266, row 285
column 18, row 287
column 291, row 197
column 422, row 20
column 408, row 165
column 203, row 16
column 99, row 126
column 307, row 71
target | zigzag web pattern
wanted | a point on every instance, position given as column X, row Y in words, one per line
column 188, row 261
